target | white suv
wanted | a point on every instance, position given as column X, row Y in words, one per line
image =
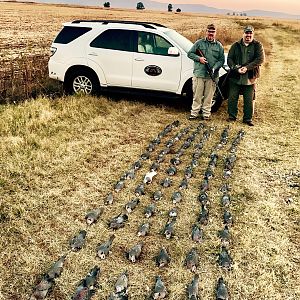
column 93, row 55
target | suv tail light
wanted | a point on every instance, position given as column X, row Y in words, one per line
column 52, row 50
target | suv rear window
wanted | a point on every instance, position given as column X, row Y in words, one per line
column 70, row 33
column 114, row 39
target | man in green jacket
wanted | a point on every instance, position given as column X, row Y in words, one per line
column 244, row 59
column 205, row 51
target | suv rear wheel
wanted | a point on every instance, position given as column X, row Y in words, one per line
column 82, row 82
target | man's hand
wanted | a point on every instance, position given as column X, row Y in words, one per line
column 242, row 70
column 202, row 60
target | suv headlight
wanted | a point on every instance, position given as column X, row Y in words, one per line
column 52, row 51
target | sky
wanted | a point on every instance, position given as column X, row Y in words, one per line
column 285, row 6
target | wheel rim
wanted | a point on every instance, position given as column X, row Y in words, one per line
column 82, row 85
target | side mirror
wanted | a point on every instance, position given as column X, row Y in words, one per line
column 173, row 51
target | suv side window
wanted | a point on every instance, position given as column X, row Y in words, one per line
column 70, row 33
column 151, row 43
column 114, row 39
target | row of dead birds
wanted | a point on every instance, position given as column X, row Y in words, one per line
column 224, row 258
column 76, row 243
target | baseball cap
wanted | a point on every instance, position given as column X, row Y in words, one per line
column 211, row 27
column 248, row 28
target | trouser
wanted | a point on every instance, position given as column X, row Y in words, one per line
column 203, row 92
column 234, row 91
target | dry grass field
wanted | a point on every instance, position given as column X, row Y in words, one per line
column 61, row 157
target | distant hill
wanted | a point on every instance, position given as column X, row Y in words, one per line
column 148, row 4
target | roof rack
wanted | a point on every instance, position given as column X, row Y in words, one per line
column 145, row 24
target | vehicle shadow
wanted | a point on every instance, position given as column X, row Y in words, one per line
column 158, row 100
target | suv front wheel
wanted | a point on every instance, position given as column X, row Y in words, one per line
column 81, row 82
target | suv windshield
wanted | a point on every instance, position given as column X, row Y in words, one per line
column 182, row 41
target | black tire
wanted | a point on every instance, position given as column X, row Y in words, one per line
column 187, row 93
column 216, row 102
column 82, row 82
column 217, row 99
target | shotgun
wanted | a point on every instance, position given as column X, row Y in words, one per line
column 210, row 72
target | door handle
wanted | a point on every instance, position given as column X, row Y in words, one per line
column 139, row 59
column 93, row 54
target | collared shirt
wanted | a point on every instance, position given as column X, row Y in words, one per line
column 214, row 53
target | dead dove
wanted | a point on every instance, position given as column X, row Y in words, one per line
column 197, row 234
column 193, row 288
column 77, row 242
column 160, row 158
column 180, row 152
column 150, row 210
column 224, row 235
column 93, row 215
column 197, row 154
column 56, row 269
column 175, row 161
column 171, row 171
column 221, row 291
column 118, row 222
column 86, row 288
column 109, row 199
column 225, row 200
column 92, row 277
column 194, row 162
column 104, row 249
column 137, row 165
column 199, row 146
column 192, row 260
column 149, row 177
column 156, row 141
column 122, row 283
column 225, row 188
column 131, row 205
column 42, row 288
column 227, row 218
column 167, row 182
column 169, row 229
column 157, row 195
column 209, row 174
column 130, row 174
column 203, row 216
column 145, row 155
column 188, row 172
column 176, row 197
column 226, row 173
column 119, row 186
column 224, row 258
column 118, row 296
column 140, row 190
column 134, row 253
column 143, row 229
column 203, row 198
column 186, row 144
column 173, row 213
column 162, row 259
column 150, row 147
column 154, row 167
column 204, row 186
column 170, row 143
column 183, row 184
column 159, row 291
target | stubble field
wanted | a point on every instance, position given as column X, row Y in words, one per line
column 61, row 157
